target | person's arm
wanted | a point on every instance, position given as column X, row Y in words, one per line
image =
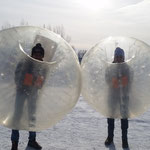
column 18, row 72
column 108, row 77
column 41, row 79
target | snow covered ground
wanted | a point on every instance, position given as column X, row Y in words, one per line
column 84, row 129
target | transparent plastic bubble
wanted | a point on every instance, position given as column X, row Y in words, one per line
column 117, row 90
column 36, row 94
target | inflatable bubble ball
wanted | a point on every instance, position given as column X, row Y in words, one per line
column 116, row 77
column 39, row 78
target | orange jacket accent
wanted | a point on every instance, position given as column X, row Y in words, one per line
column 124, row 82
column 28, row 79
column 115, row 82
column 39, row 81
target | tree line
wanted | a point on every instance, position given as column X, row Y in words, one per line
column 59, row 29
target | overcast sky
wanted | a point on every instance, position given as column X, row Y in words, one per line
column 86, row 21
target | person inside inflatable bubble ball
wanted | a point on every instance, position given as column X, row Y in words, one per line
column 118, row 78
column 29, row 80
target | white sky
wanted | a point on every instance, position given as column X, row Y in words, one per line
column 86, row 21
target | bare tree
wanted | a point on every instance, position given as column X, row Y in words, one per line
column 81, row 53
column 59, row 30
column 24, row 23
column 6, row 26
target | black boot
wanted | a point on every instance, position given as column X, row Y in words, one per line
column 108, row 141
column 14, row 145
column 111, row 126
column 34, row 144
column 125, row 143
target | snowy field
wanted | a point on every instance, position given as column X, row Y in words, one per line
column 84, row 129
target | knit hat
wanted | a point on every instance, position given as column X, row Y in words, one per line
column 38, row 49
column 119, row 52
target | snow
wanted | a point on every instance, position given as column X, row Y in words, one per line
column 84, row 129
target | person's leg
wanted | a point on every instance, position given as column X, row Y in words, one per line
column 19, row 104
column 124, row 106
column 32, row 108
column 111, row 126
column 32, row 136
column 15, row 135
column 124, row 127
column 32, row 141
column 15, row 139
